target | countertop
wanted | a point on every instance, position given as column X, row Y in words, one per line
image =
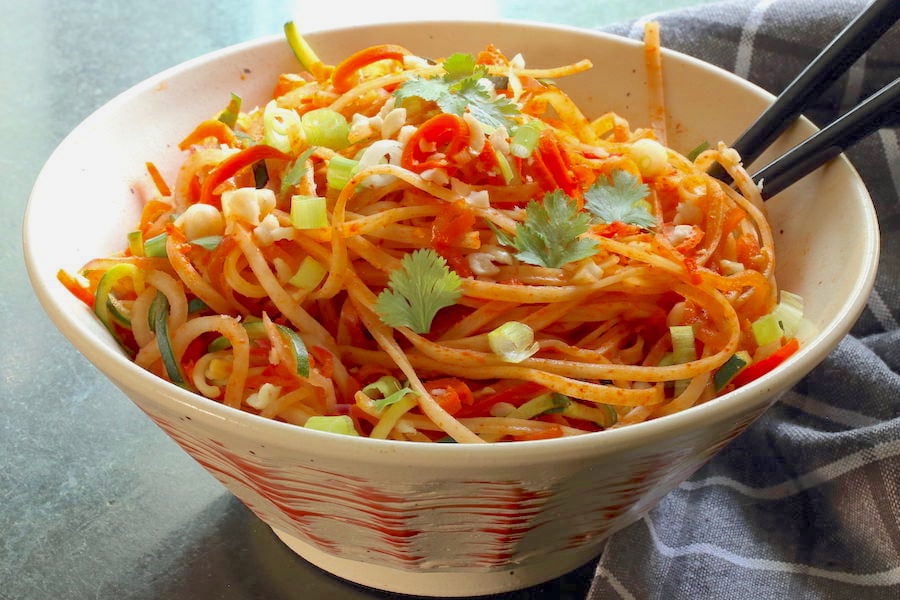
column 95, row 500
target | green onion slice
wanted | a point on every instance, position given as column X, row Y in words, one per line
column 513, row 342
column 308, row 212
column 684, row 350
column 326, row 127
column 136, row 243
column 693, row 154
column 310, row 274
column 210, row 242
column 341, row 424
column 155, row 247
column 766, row 329
column 340, row 171
column 525, row 139
column 230, row 114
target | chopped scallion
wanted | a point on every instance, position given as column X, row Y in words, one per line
column 309, row 274
column 341, row 424
column 308, row 212
column 326, row 127
column 155, row 247
column 525, row 139
column 505, row 169
column 340, row 171
column 789, row 312
column 281, row 127
column 766, row 329
column 209, row 242
column 684, row 350
column 136, row 243
column 229, row 116
column 513, row 341
column 693, row 154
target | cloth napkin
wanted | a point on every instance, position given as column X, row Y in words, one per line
column 806, row 503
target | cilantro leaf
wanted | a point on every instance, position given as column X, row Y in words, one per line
column 461, row 89
column 621, row 199
column 427, row 89
column 459, row 65
column 549, row 236
column 416, row 291
column 495, row 112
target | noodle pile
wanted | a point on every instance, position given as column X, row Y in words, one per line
column 378, row 251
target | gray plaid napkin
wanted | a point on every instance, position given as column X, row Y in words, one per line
column 806, row 503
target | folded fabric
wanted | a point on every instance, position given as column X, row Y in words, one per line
column 806, row 503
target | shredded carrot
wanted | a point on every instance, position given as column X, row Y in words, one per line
column 211, row 128
column 158, row 180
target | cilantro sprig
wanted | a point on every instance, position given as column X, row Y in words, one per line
column 461, row 88
column 550, row 235
column 422, row 286
column 620, row 199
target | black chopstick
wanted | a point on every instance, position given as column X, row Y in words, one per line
column 878, row 110
column 851, row 43
column 825, row 69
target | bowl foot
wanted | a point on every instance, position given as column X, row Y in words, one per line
column 442, row 583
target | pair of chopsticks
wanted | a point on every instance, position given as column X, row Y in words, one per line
column 870, row 115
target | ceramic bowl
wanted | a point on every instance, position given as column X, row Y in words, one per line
column 441, row 519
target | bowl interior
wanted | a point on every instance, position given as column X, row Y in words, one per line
column 90, row 192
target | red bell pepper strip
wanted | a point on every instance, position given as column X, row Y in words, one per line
column 448, row 133
column 342, row 77
column 761, row 367
column 451, row 393
column 515, row 395
column 77, row 290
column 231, row 165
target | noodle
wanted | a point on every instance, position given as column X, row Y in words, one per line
column 502, row 269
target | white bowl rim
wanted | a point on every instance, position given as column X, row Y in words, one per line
column 271, row 432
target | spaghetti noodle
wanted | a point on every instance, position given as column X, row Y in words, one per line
column 445, row 251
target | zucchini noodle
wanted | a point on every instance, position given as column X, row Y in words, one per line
column 472, row 197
